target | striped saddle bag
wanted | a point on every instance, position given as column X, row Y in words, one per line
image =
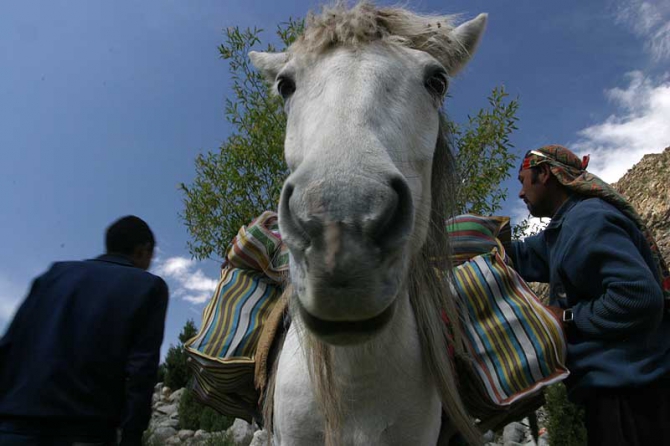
column 240, row 321
column 515, row 345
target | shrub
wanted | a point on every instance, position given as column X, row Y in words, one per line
column 220, row 440
column 148, row 439
column 194, row 416
column 162, row 370
column 566, row 420
column 212, row 421
column 177, row 373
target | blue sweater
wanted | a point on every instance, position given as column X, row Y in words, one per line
column 598, row 263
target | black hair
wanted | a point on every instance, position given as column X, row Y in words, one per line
column 534, row 174
column 128, row 233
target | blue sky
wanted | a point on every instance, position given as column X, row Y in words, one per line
column 105, row 105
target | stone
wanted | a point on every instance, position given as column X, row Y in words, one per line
column 260, row 438
column 161, row 434
column 176, row 396
column 173, row 440
column 543, row 440
column 241, row 432
column 185, row 433
column 513, row 433
column 201, row 434
column 170, row 422
column 167, row 409
column 489, row 437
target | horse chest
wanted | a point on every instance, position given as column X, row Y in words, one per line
column 385, row 401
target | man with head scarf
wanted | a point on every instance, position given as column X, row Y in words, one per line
column 610, row 288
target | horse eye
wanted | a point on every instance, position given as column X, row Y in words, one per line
column 437, row 84
column 285, row 87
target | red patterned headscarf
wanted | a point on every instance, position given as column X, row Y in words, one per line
column 571, row 172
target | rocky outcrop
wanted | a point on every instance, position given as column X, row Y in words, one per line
column 647, row 186
column 164, row 426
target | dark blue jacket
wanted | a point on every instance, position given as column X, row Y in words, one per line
column 598, row 263
column 82, row 351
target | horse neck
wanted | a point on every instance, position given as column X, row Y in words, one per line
column 394, row 354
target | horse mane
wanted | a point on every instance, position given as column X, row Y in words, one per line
column 430, row 295
column 338, row 25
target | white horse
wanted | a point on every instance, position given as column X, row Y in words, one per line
column 365, row 361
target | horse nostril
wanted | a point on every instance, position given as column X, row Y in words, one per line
column 395, row 222
column 292, row 231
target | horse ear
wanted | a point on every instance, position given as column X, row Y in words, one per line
column 467, row 36
column 269, row 64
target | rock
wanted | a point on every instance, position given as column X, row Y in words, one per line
column 489, row 437
column 260, row 438
column 168, row 409
column 647, row 186
column 176, row 396
column 158, row 387
column 241, row 432
column 170, row 422
column 201, row 434
column 543, row 440
column 185, row 433
column 161, row 434
column 513, row 433
column 173, row 440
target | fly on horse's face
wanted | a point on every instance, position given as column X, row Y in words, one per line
column 363, row 122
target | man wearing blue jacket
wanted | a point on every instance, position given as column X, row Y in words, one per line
column 609, row 286
column 80, row 359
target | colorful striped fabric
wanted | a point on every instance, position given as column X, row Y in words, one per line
column 471, row 235
column 514, row 345
column 226, row 385
column 222, row 354
column 517, row 346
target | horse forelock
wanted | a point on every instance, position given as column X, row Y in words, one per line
column 340, row 25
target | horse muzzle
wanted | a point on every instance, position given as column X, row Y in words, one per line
column 348, row 244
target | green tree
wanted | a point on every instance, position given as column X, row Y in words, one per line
column 176, row 371
column 244, row 177
column 484, row 155
column 188, row 331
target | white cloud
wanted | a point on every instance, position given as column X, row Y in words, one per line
column 535, row 225
column 641, row 126
column 651, row 21
column 186, row 281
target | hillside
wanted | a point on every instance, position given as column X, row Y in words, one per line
column 647, row 187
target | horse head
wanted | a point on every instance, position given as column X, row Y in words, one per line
column 363, row 90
